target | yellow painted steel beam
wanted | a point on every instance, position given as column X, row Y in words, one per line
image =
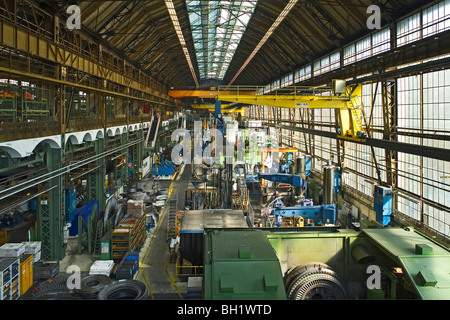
column 240, row 110
column 212, row 94
column 206, row 106
column 350, row 109
column 287, row 101
column 351, row 119
column 224, row 108
column 280, row 150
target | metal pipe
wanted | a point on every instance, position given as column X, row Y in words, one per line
column 26, row 199
column 328, row 184
column 361, row 254
column 300, row 165
column 60, row 171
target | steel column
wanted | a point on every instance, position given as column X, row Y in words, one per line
column 389, row 127
column 137, row 153
column 51, row 211
column 96, row 178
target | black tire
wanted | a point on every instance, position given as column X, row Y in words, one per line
column 124, row 290
column 91, row 285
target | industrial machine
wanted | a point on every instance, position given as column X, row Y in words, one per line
column 322, row 261
column 163, row 167
column 329, row 263
column 345, row 99
column 382, row 197
column 303, row 212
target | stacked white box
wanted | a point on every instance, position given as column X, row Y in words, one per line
column 102, row 267
column 12, row 250
column 34, row 248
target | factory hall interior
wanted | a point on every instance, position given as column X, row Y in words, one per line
column 225, row 150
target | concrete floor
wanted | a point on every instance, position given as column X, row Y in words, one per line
column 155, row 270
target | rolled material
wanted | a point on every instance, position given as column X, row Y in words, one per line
column 91, row 285
column 124, row 290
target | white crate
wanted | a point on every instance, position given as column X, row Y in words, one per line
column 37, row 256
column 12, row 250
column 32, row 247
column 103, row 267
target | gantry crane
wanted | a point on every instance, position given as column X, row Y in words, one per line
column 345, row 99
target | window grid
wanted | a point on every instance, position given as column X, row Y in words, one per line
column 422, row 102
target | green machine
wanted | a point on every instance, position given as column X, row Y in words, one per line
column 241, row 265
column 324, row 263
column 422, row 264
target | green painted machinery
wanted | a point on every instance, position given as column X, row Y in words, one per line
column 324, row 263
column 240, row 265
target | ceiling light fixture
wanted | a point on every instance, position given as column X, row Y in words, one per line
column 176, row 24
column 269, row 32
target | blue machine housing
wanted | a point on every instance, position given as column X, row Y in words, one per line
column 71, row 202
column 295, row 180
column 166, row 168
column 382, row 205
column 307, row 165
column 323, row 214
column 85, row 211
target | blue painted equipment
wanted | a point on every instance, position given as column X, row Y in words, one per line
column 84, row 211
column 71, row 202
column 323, row 214
column 307, row 166
column 164, row 168
column 285, row 166
column 295, row 180
column 337, row 180
column 382, row 197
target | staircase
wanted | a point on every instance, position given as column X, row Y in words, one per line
column 358, row 116
column 97, row 239
column 172, row 220
column 153, row 132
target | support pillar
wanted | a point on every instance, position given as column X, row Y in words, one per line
column 137, row 154
column 390, row 113
column 96, row 179
column 51, row 210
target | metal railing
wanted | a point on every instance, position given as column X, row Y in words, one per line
column 187, row 270
column 10, row 131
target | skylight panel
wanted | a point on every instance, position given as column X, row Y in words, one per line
column 225, row 22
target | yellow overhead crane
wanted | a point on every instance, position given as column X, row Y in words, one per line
column 346, row 99
column 211, row 108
